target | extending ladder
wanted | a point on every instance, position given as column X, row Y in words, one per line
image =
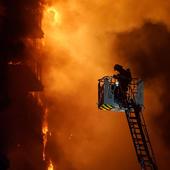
column 140, row 138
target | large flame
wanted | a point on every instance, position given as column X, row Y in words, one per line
column 44, row 123
column 75, row 52
column 79, row 40
column 76, row 56
column 45, row 133
column 50, row 167
column 71, row 46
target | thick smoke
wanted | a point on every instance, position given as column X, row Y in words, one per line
column 78, row 43
column 20, row 114
column 147, row 50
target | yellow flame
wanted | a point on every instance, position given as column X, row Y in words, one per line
column 39, row 100
column 45, row 123
column 50, row 167
column 53, row 15
column 45, row 129
column 45, row 132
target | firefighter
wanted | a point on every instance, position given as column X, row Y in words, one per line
column 123, row 78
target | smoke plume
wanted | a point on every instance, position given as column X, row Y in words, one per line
column 79, row 37
column 147, row 50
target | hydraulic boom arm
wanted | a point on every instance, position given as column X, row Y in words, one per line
column 121, row 93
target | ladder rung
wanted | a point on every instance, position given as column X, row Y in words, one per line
column 136, row 136
column 133, row 118
column 135, row 128
column 133, row 124
column 142, row 149
column 137, row 139
column 143, row 155
column 137, row 133
column 141, row 145
column 148, row 161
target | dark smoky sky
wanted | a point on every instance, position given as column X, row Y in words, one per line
column 147, row 50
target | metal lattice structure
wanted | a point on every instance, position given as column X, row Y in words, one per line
column 112, row 98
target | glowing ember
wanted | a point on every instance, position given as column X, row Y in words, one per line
column 50, row 167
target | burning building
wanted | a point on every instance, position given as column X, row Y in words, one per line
column 79, row 40
column 21, row 115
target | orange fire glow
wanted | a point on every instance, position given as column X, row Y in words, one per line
column 45, row 132
column 75, row 51
column 78, row 41
column 54, row 15
column 45, row 129
column 50, row 167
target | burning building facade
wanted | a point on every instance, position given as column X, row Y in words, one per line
column 79, row 38
column 21, row 115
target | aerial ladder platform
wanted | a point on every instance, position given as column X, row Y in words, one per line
column 111, row 97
